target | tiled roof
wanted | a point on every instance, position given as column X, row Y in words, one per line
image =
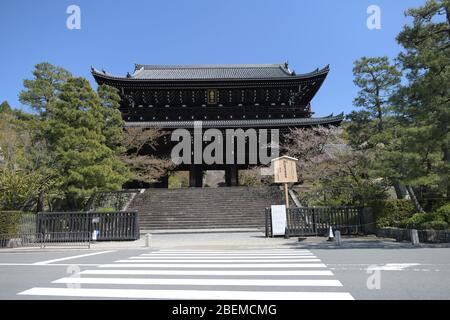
column 210, row 72
column 253, row 123
column 165, row 72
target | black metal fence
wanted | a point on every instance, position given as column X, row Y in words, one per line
column 316, row 221
column 66, row 239
column 21, row 240
column 40, row 240
column 98, row 226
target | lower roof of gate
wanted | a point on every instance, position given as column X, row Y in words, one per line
column 241, row 123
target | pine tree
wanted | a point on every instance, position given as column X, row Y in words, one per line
column 5, row 107
column 423, row 104
column 77, row 134
column 78, row 128
column 377, row 80
column 45, row 87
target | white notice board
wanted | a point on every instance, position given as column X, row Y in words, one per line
column 278, row 220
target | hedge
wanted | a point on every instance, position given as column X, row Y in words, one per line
column 390, row 213
column 433, row 236
column 443, row 213
column 435, row 225
column 437, row 220
column 10, row 222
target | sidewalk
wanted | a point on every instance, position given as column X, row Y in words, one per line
column 199, row 241
column 240, row 241
column 257, row 241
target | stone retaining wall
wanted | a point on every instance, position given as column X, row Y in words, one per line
column 433, row 236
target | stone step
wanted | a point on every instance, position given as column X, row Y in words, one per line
column 197, row 208
column 200, row 220
column 197, row 226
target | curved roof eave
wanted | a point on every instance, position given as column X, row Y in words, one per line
column 103, row 75
column 255, row 123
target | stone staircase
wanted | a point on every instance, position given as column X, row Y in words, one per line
column 204, row 208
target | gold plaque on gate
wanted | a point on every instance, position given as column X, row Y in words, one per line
column 285, row 170
column 212, row 96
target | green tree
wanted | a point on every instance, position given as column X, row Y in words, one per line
column 423, row 104
column 112, row 126
column 76, row 134
column 377, row 79
column 370, row 130
column 5, row 107
column 78, row 127
column 20, row 180
column 404, row 127
column 18, row 189
column 15, row 140
column 38, row 93
column 359, row 128
column 46, row 86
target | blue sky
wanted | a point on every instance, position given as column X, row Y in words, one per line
column 116, row 34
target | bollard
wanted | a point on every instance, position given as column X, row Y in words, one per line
column 337, row 236
column 148, row 238
column 414, row 237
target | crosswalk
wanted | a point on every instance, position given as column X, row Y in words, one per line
column 272, row 274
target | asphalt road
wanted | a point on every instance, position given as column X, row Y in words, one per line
column 275, row 273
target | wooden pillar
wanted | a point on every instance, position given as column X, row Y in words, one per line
column 286, row 195
column 195, row 176
column 231, row 175
column 288, row 216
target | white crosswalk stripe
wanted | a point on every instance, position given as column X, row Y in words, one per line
column 203, row 282
column 286, row 274
column 220, row 260
column 156, row 257
column 214, row 265
column 187, row 294
column 213, row 272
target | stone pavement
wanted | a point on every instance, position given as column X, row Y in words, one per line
column 216, row 241
column 256, row 240
column 243, row 240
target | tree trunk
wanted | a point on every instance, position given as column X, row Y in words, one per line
column 400, row 190
column 40, row 202
column 447, row 163
column 90, row 202
column 379, row 110
column 414, row 200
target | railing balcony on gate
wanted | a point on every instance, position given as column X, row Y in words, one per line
column 316, row 221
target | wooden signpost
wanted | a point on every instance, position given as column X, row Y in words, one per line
column 285, row 171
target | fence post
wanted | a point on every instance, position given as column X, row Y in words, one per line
column 314, row 221
column 287, row 231
column 367, row 220
column 137, row 230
